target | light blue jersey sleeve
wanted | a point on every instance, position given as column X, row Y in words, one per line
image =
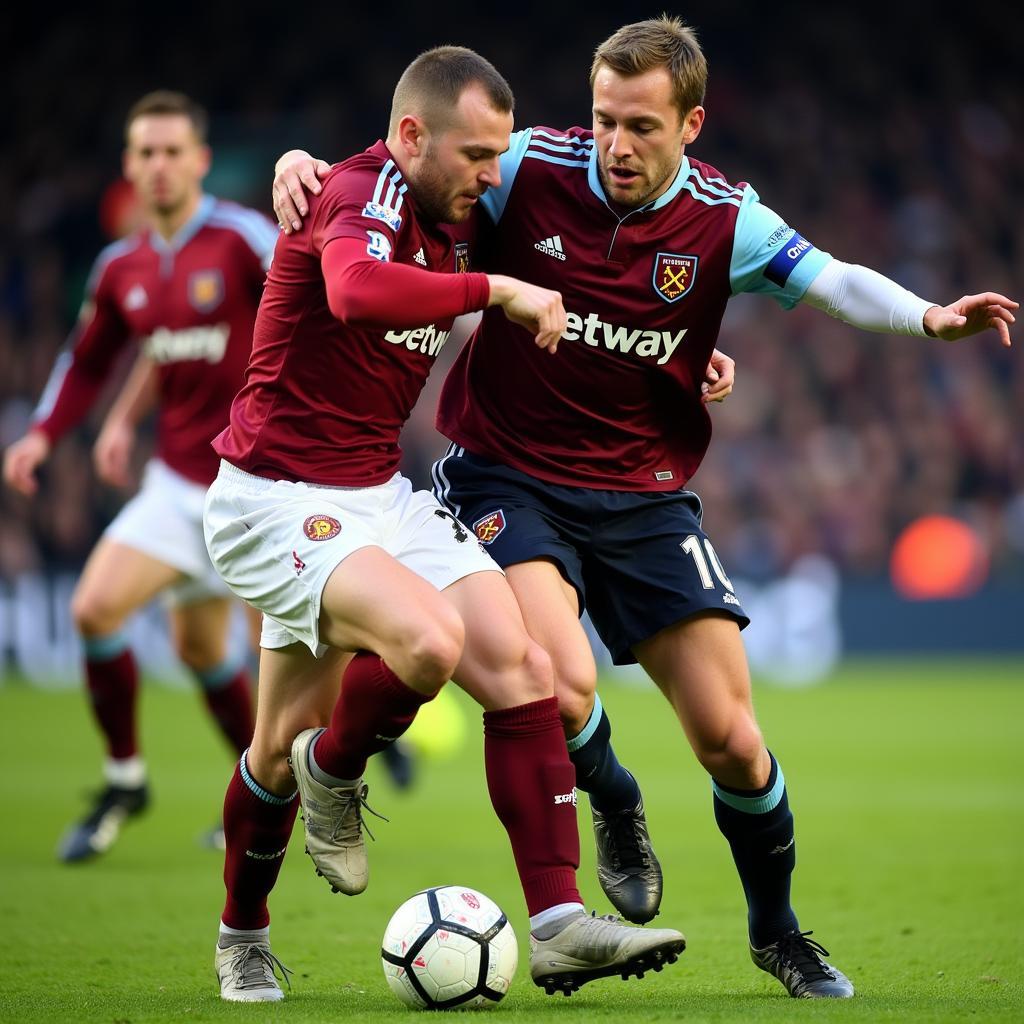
column 494, row 199
column 770, row 257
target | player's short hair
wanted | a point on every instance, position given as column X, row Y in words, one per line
column 431, row 85
column 167, row 101
column 658, row 42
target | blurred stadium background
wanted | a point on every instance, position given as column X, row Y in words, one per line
column 888, row 136
column 886, row 140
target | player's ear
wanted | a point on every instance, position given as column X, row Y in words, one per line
column 412, row 134
column 205, row 158
column 692, row 124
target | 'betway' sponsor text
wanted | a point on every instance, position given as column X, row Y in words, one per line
column 659, row 345
column 428, row 340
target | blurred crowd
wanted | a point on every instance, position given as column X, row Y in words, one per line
column 884, row 140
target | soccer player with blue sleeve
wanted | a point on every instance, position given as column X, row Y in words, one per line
column 572, row 471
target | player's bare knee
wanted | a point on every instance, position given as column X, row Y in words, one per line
column 574, row 688
column 538, row 673
column 198, row 655
column 434, row 651
column 92, row 615
column 734, row 755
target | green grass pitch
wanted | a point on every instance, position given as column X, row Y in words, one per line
column 905, row 778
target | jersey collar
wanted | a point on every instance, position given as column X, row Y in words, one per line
column 187, row 231
column 594, row 180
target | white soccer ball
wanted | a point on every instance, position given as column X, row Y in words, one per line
column 449, row 948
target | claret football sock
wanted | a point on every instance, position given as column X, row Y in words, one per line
column 375, row 707
column 112, row 678
column 598, row 772
column 532, row 786
column 228, row 695
column 759, row 827
column 257, row 826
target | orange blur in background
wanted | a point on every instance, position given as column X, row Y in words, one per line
column 938, row 557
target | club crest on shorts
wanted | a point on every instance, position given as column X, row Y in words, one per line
column 205, row 290
column 489, row 526
column 321, row 527
column 461, row 257
column 674, row 275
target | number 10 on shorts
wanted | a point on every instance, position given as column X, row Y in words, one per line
column 692, row 546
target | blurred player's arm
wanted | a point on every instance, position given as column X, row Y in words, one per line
column 74, row 385
column 112, row 453
column 868, row 300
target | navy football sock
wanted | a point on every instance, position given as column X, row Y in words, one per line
column 759, row 827
column 598, row 772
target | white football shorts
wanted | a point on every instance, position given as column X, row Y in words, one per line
column 276, row 543
column 165, row 521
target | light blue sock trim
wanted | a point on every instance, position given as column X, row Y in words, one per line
column 589, row 729
column 104, row 648
column 754, row 804
column 256, row 788
column 220, row 675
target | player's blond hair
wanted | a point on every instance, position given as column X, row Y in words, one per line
column 658, row 42
column 431, row 85
column 167, row 101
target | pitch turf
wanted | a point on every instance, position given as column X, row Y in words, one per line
column 905, row 780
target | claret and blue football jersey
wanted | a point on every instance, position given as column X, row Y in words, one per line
column 618, row 406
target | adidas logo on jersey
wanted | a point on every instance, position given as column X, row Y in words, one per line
column 552, row 246
column 420, row 258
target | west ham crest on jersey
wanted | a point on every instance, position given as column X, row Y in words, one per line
column 462, row 257
column 674, row 275
column 489, row 526
column 205, row 290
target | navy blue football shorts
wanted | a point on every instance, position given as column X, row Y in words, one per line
column 639, row 560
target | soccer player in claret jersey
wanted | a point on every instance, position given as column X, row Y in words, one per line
column 572, row 472
column 310, row 521
column 185, row 288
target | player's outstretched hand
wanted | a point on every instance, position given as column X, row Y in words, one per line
column 718, row 378
column 295, row 174
column 22, row 459
column 112, row 453
column 971, row 315
column 539, row 310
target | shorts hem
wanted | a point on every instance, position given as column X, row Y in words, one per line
column 623, row 654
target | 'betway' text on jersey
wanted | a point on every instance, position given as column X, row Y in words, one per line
column 428, row 340
column 646, row 290
column 593, row 331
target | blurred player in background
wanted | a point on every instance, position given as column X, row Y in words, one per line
column 572, row 471
column 185, row 289
column 310, row 521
